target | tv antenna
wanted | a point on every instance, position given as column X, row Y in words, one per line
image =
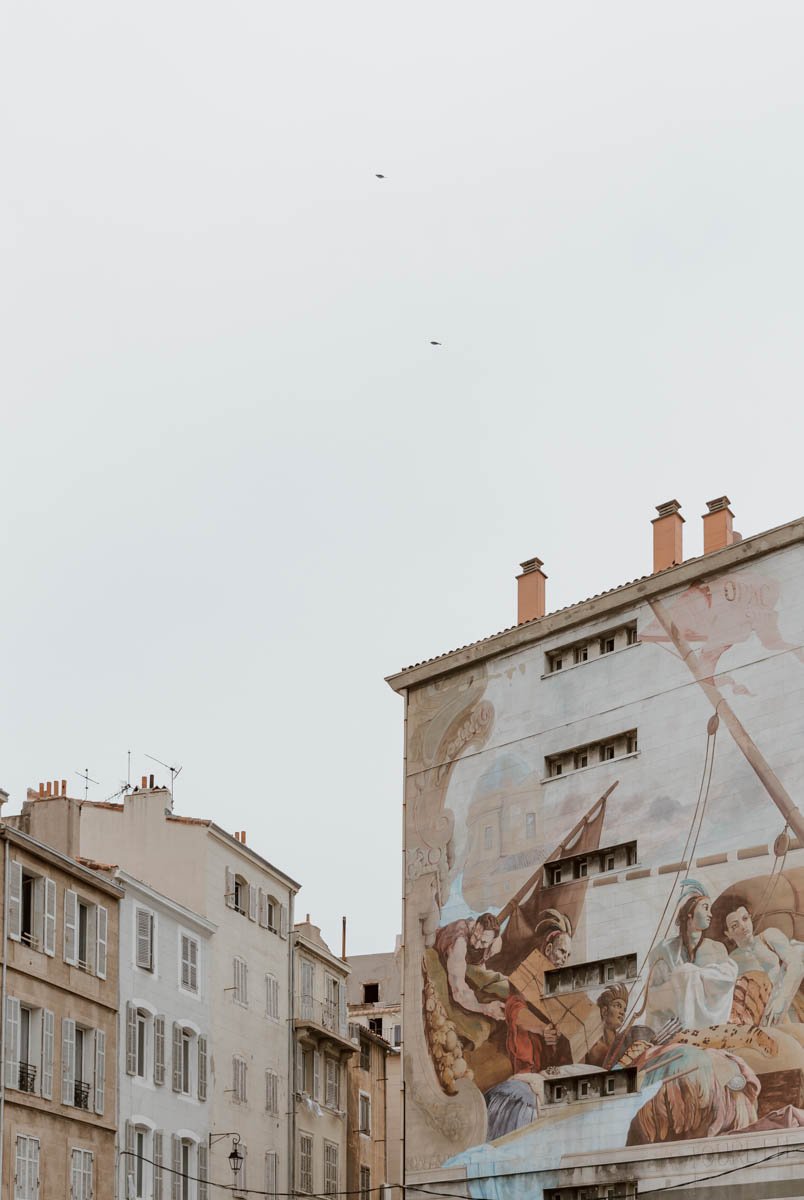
column 124, row 787
column 174, row 771
column 87, row 780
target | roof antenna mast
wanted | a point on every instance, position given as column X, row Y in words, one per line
column 87, row 780
column 174, row 771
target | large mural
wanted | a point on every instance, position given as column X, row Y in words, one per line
column 653, row 994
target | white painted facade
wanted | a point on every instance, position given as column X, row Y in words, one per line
column 165, row 1043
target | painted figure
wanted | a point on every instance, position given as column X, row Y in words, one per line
column 464, row 947
column 770, row 952
column 691, row 977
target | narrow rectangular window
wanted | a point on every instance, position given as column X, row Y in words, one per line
column 142, row 1043
column 101, row 931
column 581, row 759
column 365, row 1183
column 270, row 1172
column 271, row 1092
column 606, row 645
column 145, row 939
column 189, row 963
column 67, row 1061
column 70, row 927
column 631, row 635
column 202, row 1068
column 49, row 930
column 100, row 1071
column 365, row 1054
column 365, row 1115
column 631, row 743
column 48, row 1047
column 159, row 1050
column 332, row 1082
column 15, row 900
column 581, row 654
column 26, row 1169
column 186, row 1052
column 607, row 751
column 330, row 1168
column 272, row 997
column 305, row 1162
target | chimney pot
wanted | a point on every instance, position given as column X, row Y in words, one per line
column 667, row 536
column 64, row 787
column 718, row 525
column 49, row 785
column 243, row 836
column 41, row 789
column 150, row 781
column 530, row 591
column 144, row 782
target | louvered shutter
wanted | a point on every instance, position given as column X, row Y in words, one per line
column 252, row 902
column 230, row 888
column 130, row 1165
column 176, row 1189
column 159, row 1174
column 283, row 920
column 101, row 930
column 70, row 927
column 159, row 1050
column 100, row 1070
column 48, row 1037
column 67, row 1061
column 316, row 1075
column 14, row 900
column 262, row 909
column 131, row 1039
column 203, row 1172
column 270, row 1172
column 87, row 1174
column 342, row 1010
column 299, row 1068
column 202, row 1068
column 76, row 1176
column 244, row 981
column 49, row 930
column 12, row 1042
column 176, row 1057
column 145, row 950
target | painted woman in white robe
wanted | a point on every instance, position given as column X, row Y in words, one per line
column 691, row 977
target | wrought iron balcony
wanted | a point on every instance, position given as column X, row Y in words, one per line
column 27, row 1077
column 81, row 1094
column 321, row 1018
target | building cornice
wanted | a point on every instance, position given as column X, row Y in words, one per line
column 57, row 859
column 626, row 596
column 244, row 849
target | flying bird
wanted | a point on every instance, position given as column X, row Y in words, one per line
column 379, row 176
column 435, row 343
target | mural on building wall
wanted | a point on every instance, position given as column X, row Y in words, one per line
column 700, row 1032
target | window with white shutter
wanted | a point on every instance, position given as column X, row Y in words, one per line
column 101, row 931
column 316, row 1075
column 270, row 1172
column 159, row 1050
column 26, row 1168
column 343, row 1015
column 262, row 911
column 203, row 1172
column 49, row 924
column 241, row 981
column 82, row 1175
column 272, row 997
column 252, row 902
column 144, row 937
column 202, row 1068
column 330, row 1168
column 332, row 1081
column 272, row 1092
column 67, row 1061
column 100, row 1070
column 189, row 963
column 131, row 1038
column 48, row 1046
column 239, row 1079
column 70, row 927
column 159, row 1163
column 12, row 1042
column 364, row 1114
column 305, row 1162
column 283, row 920
column 14, row 900
column 177, row 1057
column 176, row 1188
column 230, row 888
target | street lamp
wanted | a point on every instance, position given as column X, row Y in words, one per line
column 235, row 1157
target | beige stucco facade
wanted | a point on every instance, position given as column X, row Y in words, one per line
column 368, row 1150
column 59, row 1078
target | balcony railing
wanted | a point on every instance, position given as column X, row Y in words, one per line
column 27, row 1077
column 81, row 1095
column 324, row 1013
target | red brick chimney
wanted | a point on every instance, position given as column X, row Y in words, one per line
column 667, row 535
column 718, row 525
column 530, row 591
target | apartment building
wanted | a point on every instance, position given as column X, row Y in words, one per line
column 374, row 998
column 604, row 865
column 60, row 1005
column 369, row 1147
column 165, row 1046
column 249, row 902
column 323, row 1049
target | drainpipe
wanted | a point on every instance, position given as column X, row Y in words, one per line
column 3, row 1006
column 291, row 1052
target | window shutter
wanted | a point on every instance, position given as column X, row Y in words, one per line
column 145, row 930
column 129, row 1169
column 76, row 1178
column 283, row 920
column 102, row 926
column 100, row 1070
column 159, row 1050
column 262, row 909
column 68, row 1061
column 176, row 1057
column 203, row 1172
column 15, row 900
column 131, row 1039
column 270, row 1172
column 230, row 887
column 342, row 1013
column 12, row 1042
column 87, row 1174
column 316, row 1074
column 176, row 1188
column 159, row 1174
column 48, row 1034
column 70, row 927
column 194, row 965
column 202, row 1068
column 49, row 930
column 299, row 1068
column 244, row 981
column 252, row 902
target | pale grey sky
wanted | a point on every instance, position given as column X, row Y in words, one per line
column 240, row 486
